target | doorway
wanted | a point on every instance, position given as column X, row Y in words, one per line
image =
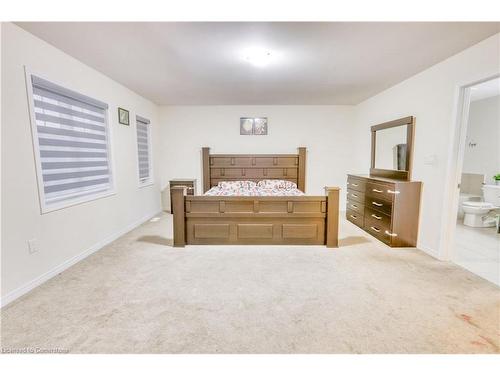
column 475, row 238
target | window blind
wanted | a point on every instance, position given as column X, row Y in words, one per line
column 143, row 149
column 71, row 134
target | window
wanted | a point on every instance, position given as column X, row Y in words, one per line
column 144, row 151
column 71, row 141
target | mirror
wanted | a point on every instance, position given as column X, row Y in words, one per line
column 390, row 148
column 392, row 144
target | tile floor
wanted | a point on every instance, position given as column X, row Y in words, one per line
column 478, row 250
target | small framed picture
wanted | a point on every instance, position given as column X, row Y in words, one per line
column 123, row 116
column 260, row 126
column 246, row 126
column 253, row 125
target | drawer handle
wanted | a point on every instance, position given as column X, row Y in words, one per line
column 354, row 195
column 375, row 229
column 393, row 191
column 377, row 204
column 354, row 216
column 354, row 206
column 353, row 184
column 391, row 234
column 377, row 217
column 377, row 191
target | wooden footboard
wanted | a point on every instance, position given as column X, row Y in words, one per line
column 297, row 220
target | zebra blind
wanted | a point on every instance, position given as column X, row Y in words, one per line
column 144, row 150
column 71, row 138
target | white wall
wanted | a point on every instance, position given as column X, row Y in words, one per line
column 432, row 97
column 65, row 234
column 326, row 131
column 483, row 129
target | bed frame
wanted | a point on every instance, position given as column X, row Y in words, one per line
column 295, row 220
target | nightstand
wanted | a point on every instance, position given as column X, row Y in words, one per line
column 188, row 183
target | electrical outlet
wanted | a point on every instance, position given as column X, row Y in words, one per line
column 32, row 246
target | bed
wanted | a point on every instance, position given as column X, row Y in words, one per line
column 255, row 199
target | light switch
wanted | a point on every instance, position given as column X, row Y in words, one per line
column 430, row 160
column 32, row 246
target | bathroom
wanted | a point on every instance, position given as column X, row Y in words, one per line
column 477, row 238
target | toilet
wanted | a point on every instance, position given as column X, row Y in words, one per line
column 475, row 213
column 465, row 197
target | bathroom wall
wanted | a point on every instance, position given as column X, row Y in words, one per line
column 471, row 183
column 482, row 148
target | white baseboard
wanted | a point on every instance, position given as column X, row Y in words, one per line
column 426, row 249
column 16, row 293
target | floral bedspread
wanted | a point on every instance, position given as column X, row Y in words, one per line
column 277, row 188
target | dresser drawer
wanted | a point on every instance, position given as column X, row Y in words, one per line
column 355, row 195
column 378, row 217
column 355, row 217
column 378, row 233
column 378, row 205
column 379, row 191
column 357, row 184
column 355, row 206
column 378, row 229
column 380, row 225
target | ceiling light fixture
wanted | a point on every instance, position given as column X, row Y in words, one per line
column 259, row 57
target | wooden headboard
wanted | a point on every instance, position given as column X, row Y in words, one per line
column 253, row 167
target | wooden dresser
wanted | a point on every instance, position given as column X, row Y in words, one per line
column 386, row 208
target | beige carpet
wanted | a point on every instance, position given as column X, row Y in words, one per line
column 139, row 295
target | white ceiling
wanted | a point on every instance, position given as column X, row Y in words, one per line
column 319, row 63
column 485, row 90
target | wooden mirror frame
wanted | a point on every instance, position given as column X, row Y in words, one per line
column 405, row 175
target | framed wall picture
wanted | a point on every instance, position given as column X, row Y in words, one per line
column 246, row 125
column 253, row 125
column 123, row 116
column 260, row 126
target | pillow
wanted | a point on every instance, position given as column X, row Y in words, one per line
column 277, row 184
column 236, row 184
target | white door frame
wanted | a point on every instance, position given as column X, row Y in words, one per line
column 461, row 117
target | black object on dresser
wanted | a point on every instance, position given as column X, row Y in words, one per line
column 386, row 208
